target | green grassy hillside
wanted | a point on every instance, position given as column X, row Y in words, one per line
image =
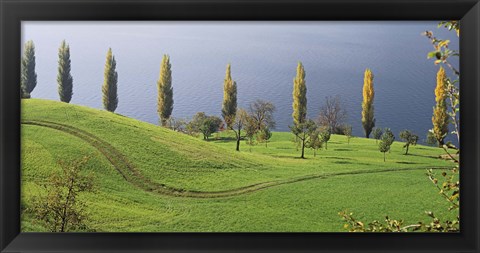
column 152, row 179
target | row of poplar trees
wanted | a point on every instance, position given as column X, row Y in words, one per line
column 229, row 106
column 28, row 79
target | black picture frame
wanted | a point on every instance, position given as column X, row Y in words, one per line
column 12, row 12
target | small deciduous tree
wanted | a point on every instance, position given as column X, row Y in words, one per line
column 264, row 135
column 109, row 88
column 202, row 123
column 241, row 119
column 386, row 141
column 325, row 135
column 409, row 138
column 262, row 113
column 28, row 77
column 347, row 131
column 61, row 209
column 368, row 119
column 250, row 131
column 332, row 114
column 315, row 142
column 303, row 131
column 64, row 78
column 377, row 133
column 176, row 124
column 165, row 91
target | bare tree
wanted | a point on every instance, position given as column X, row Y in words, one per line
column 262, row 113
column 176, row 124
column 332, row 114
column 241, row 119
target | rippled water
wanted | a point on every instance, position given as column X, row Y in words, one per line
column 263, row 55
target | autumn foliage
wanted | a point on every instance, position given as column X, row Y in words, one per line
column 368, row 120
column 440, row 115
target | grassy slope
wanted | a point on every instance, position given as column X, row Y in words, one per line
column 187, row 163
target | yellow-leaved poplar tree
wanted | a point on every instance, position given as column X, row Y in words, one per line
column 440, row 115
column 229, row 105
column 302, row 128
column 368, row 119
column 299, row 96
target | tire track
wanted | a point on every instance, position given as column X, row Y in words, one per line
column 136, row 178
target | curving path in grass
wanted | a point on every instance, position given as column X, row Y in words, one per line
column 135, row 177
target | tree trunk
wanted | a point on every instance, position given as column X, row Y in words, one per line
column 238, row 143
column 303, row 149
column 384, row 156
column 406, row 151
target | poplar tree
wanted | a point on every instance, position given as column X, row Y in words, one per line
column 301, row 128
column 368, row 120
column 28, row 78
column 165, row 91
column 440, row 115
column 299, row 96
column 229, row 105
column 64, row 78
column 109, row 88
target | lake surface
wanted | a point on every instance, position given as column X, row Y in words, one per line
column 264, row 56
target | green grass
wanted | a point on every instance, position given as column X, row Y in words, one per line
column 180, row 183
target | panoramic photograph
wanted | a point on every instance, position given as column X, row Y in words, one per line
column 240, row 126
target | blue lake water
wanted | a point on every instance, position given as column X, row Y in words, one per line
column 264, row 57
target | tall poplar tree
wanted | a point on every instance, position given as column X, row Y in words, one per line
column 64, row 78
column 440, row 115
column 299, row 96
column 109, row 88
column 229, row 105
column 368, row 120
column 302, row 128
column 165, row 91
column 28, row 78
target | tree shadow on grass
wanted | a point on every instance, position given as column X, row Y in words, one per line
column 339, row 158
column 342, row 162
column 344, row 149
column 407, row 162
column 425, row 156
column 222, row 139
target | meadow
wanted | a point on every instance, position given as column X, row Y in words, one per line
column 151, row 179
